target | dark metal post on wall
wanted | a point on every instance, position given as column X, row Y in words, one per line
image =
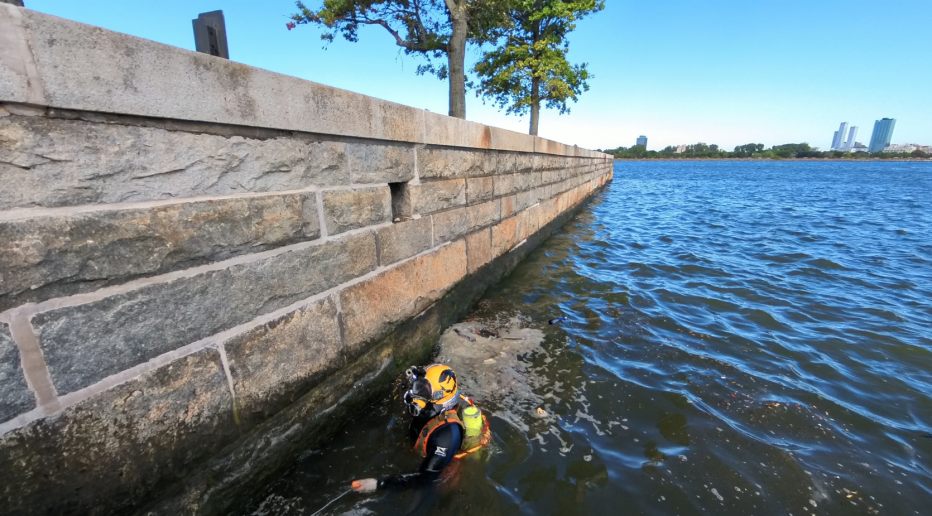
column 210, row 34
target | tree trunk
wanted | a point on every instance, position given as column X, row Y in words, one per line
column 456, row 55
column 535, row 105
column 535, row 84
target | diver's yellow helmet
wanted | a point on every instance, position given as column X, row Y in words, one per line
column 435, row 386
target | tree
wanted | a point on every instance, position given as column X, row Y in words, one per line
column 431, row 28
column 530, row 65
column 748, row 150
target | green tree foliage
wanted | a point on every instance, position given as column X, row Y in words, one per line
column 529, row 65
column 748, row 150
column 431, row 28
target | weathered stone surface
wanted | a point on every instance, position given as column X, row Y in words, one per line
column 277, row 363
column 450, row 163
column 111, row 452
column 449, row 225
column 548, row 162
column 483, row 214
column 439, row 195
column 52, row 162
column 548, row 210
column 92, row 69
column 524, row 163
column 404, row 240
column 507, row 233
column 360, row 207
column 386, row 163
column 525, row 199
column 510, row 140
column 85, row 343
column 415, row 340
column 15, row 396
column 529, row 180
column 551, row 176
column 543, row 145
column 455, row 132
column 14, row 70
column 533, row 219
column 478, row 249
column 505, row 163
column 59, row 255
column 373, row 307
column 479, row 189
column 508, row 206
column 506, row 184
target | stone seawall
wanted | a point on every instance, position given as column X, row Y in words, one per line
column 204, row 267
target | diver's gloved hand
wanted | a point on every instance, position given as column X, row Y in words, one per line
column 366, row 485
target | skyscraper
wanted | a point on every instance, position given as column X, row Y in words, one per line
column 642, row 140
column 852, row 134
column 883, row 133
column 835, row 139
column 838, row 142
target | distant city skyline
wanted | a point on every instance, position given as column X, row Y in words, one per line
column 728, row 96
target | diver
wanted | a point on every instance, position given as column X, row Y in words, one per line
column 445, row 426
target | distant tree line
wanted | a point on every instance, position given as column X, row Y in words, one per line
column 752, row 151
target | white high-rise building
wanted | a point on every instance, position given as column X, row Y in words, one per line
column 852, row 134
column 834, row 141
column 839, row 141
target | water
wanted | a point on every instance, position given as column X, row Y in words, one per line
column 741, row 338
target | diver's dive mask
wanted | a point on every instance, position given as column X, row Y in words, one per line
column 430, row 388
column 417, row 398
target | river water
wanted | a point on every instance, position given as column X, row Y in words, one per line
column 741, row 338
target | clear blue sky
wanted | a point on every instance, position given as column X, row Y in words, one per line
column 717, row 71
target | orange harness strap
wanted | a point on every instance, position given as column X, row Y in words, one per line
column 432, row 425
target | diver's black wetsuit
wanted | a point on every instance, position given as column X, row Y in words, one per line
column 441, row 447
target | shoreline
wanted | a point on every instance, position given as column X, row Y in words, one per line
column 879, row 160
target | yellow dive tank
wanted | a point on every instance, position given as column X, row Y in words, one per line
column 472, row 420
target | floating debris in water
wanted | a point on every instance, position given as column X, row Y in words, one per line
column 540, row 412
column 558, row 320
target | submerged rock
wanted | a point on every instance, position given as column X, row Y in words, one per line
column 492, row 367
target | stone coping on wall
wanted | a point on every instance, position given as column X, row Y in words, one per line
column 51, row 62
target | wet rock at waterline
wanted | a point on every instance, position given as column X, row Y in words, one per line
column 492, row 366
